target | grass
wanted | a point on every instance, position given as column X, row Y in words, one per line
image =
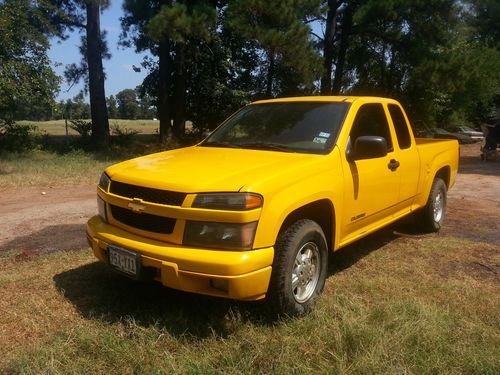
column 392, row 305
column 43, row 168
column 64, row 161
column 57, row 127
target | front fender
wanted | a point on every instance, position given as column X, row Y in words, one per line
column 277, row 208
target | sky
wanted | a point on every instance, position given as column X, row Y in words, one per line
column 118, row 69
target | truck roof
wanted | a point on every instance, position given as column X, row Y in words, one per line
column 349, row 99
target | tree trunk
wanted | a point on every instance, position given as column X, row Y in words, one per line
column 270, row 75
column 179, row 99
column 164, row 113
column 344, row 44
column 328, row 47
column 98, row 109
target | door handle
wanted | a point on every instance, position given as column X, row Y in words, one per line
column 393, row 165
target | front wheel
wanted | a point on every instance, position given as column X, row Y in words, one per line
column 299, row 269
column 432, row 215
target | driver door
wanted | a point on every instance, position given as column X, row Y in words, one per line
column 371, row 186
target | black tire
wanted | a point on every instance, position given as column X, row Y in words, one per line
column 429, row 218
column 303, row 236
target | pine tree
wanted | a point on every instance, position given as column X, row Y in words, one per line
column 167, row 28
column 280, row 32
column 84, row 15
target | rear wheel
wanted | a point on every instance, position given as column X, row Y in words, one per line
column 299, row 269
column 432, row 215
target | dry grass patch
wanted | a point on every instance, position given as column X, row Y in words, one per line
column 42, row 168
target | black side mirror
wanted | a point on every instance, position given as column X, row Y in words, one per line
column 367, row 147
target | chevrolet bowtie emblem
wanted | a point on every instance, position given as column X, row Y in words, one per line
column 136, row 205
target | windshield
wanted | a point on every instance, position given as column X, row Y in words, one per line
column 308, row 127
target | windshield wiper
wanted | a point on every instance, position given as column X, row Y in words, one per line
column 219, row 144
column 266, row 146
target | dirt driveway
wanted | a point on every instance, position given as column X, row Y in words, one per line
column 38, row 220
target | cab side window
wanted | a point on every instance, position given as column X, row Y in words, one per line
column 371, row 120
column 400, row 125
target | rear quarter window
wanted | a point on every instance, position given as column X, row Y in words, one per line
column 401, row 127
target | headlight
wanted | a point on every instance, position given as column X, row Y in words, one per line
column 104, row 182
column 101, row 209
column 228, row 201
column 220, row 235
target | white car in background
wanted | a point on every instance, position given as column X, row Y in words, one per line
column 465, row 130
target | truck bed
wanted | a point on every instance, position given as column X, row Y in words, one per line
column 433, row 152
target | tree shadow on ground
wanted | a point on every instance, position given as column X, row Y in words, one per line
column 474, row 165
column 351, row 254
column 47, row 240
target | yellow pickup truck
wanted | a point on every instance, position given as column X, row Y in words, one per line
column 253, row 211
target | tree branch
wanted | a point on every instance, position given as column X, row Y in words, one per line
column 316, row 35
column 314, row 20
column 74, row 24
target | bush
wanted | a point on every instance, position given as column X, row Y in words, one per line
column 123, row 136
column 82, row 127
column 18, row 138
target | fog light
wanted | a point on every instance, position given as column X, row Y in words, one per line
column 221, row 284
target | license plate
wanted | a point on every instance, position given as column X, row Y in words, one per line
column 123, row 260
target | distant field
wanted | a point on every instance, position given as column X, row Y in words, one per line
column 57, row 127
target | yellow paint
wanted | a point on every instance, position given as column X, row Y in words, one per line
column 364, row 195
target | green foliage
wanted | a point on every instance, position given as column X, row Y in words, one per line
column 428, row 54
column 82, row 127
column 179, row 22
column 123, row 136
column 441, row 58
column 18, row 138
column 128, row 108
column 27, row 82
column 280, row 32
column 220, row 77
column 485, row 20
column 112, row 107
column 76, row 108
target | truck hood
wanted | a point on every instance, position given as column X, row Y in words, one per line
column 208, row 169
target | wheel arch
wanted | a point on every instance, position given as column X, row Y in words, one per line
column 444, row 173
column 321, row 211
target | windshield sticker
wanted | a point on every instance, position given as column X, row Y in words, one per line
column 325, row 135
column 320, row 140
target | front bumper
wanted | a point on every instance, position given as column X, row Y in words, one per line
column 242, row 275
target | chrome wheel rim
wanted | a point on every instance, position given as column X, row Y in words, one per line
column 305, row 273
column 438, row 206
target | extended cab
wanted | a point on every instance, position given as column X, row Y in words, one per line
column 253, row 211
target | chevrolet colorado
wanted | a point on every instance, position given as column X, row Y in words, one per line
column 253, row 211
